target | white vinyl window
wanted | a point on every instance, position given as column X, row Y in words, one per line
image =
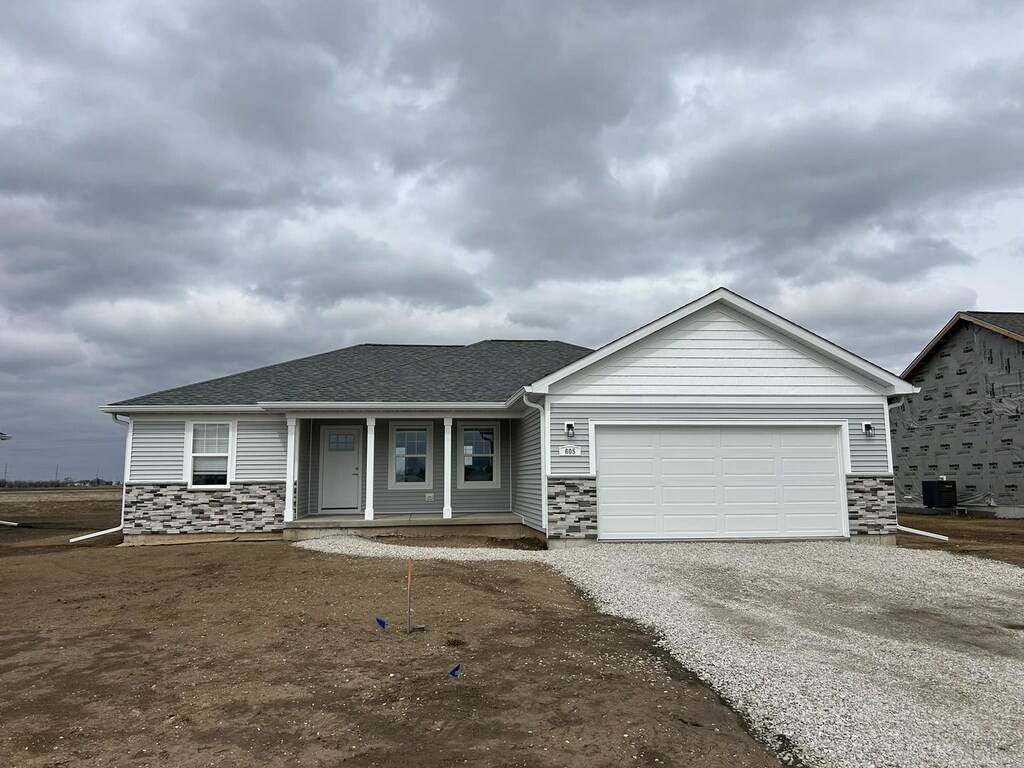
column 479, row 457
column 410, row 464
column 211, row 447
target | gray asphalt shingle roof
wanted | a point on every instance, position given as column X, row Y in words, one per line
column 1009, row 321
column 488, row 371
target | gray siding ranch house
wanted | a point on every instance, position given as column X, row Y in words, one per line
column 967, row 423
column 720, row 420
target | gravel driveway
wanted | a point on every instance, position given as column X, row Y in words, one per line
column 844, row 655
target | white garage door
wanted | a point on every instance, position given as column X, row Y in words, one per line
column 719, row 482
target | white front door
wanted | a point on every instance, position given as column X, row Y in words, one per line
column 340, row 474
column 677, row 482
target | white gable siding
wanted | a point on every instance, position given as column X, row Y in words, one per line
column 261, row 450
column 158, row 451
column 715, row 353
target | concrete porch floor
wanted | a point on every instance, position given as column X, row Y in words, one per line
column 502, row 525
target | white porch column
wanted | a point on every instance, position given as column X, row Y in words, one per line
column 289, row 473
column 446, row 511
column 371, row 424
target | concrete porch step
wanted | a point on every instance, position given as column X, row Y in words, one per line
column 502, row 525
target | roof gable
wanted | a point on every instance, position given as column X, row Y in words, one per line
column 832, row 355
column 718, row 352
column 1008, row 324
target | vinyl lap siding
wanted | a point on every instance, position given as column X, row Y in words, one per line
column 481, row 499
column 527, row 469
column 413, row 500
column 158, row 451
column 261, row 451
column 715, row 351
column 867, row 454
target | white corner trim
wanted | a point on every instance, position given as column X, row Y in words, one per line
column 446, row 509
column 545, row 458
column 289, row 472
column 368, row 465
column 888, row 440
column 894, row 383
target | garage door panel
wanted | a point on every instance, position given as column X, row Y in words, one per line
column 627, row 466
column 749, row 466
column 811, row 438
column 632, row 526
column 687, row 466
column 812, row 524
column 750, row 494
column 809, row 494
column 690, row 525
column 694, row 438
column 627, row 495
column 719, row 482
column 691, row 495
column 748, row 438
column 753, row 524
column 808, row 465
column 628, row 439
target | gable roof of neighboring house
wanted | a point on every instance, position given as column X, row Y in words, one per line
column 890, row 382
column 1008, row 324
column 486, row 372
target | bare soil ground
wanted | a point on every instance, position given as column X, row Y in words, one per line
column 980, row 536
column 260, row 653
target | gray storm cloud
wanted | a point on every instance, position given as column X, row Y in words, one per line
column 195, row 189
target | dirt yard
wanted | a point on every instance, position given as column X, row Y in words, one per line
column 260, row 653
column 979, row 536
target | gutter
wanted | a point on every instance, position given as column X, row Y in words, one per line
column 124, row 485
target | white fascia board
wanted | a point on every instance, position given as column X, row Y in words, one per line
column 394, row 414
column 893, row 383
column 371, row 406
column 182, row 409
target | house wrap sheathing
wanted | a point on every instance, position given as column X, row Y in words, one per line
column 966, row 423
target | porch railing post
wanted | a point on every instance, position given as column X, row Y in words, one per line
column 446, row 511
column 371, row 423
column 289, row 474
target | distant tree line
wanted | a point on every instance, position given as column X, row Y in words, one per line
column 67, row 482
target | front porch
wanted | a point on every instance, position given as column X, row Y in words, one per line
column 398, row 469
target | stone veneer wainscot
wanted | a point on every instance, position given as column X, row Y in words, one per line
column 872, row 503
column 242, row 508
column 572, row 507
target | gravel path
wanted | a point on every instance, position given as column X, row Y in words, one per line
column 853, row 655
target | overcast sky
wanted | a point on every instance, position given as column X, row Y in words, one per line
column 206, row 187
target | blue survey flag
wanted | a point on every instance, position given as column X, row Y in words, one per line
column 455, row 671
column 381, row 623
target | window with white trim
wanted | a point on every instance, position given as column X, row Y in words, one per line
column 210, row 451
column 478, row 462
column 411, row 464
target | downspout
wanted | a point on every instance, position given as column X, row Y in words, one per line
column 545, row 460
column 6, row 522
column 124, row 484
column 902, row 528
